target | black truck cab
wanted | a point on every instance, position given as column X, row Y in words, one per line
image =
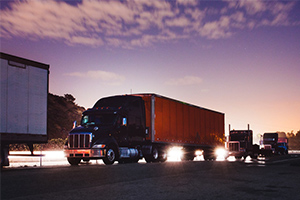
column 113, row 129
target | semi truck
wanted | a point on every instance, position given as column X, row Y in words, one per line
column 126, row 128
column 23, row 112
column 240, row 144
column 274, row 143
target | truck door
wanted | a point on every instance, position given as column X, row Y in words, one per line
column 122, row 131
column 136, row 127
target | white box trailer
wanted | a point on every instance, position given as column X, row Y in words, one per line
column 23, row 111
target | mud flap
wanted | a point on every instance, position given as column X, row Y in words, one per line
column 4, row 155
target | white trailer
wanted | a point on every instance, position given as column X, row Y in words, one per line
column 23, row 110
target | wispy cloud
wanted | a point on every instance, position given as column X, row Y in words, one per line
column 108, row 78
column 184, row 81
column 136, row 23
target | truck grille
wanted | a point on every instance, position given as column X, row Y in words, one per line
column 234, row 146
column 80, row 140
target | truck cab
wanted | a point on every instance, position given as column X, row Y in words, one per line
column 274, row 143
column 269, row 145
column 113, row 129
column 240, row 144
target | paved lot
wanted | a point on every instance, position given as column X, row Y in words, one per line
column 275, row 178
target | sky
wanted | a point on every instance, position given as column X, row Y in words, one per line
column 241, row 58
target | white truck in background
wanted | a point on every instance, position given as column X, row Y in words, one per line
column 23, row 110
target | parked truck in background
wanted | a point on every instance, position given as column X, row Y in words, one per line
column 240, row 144
column 24, row 93
column 282, row 146
column 274, row 143
column 127, row 128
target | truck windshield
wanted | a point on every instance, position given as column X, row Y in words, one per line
column 96, row 119
column 237, row 137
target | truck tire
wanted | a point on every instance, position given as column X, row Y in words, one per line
column 188, row 156
column 111, row 156
column 162, row 156
column 209, row 154
column 153, row 157
column 74, row 161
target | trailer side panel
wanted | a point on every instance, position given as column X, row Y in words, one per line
column 181, row 123
column 24, row 93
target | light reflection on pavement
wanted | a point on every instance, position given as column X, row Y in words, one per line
column 57, row 158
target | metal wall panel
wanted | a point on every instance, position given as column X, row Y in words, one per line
column 173, row 121
column 3, row 95
column 38, row 93
column 180, row 123
column 166, row 131
column 17, row 104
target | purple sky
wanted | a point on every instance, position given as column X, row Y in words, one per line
column 237, row 57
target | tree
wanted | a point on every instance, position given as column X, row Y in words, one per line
column 69, row 97
column 62, row 112
column 294, row 140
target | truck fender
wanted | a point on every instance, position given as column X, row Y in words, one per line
column 108, row 141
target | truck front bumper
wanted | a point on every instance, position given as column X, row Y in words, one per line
column 236, row 153
column 85, row 153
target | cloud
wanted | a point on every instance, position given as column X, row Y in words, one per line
column 137, row 23
column 109, row 78
column 185, row 81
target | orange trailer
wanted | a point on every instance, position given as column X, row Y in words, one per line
column 172, row 122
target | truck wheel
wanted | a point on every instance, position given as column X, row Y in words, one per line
column 209, row 155
column 153, row 157
column 110, row 156
column 163, row 156
column 74, row 161
column 188, row 156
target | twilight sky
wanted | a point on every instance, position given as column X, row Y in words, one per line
column 241, row 58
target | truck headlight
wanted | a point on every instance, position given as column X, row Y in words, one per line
column 98, row 146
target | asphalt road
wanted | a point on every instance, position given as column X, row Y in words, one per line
column 275, row 178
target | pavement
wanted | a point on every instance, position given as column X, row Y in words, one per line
column 271, row 178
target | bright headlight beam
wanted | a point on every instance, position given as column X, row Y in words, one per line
column 221, row 154
column 174, row 154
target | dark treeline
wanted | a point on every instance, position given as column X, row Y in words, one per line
column 62, row 112
column 294, row 140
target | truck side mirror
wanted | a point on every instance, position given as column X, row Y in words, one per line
column 147, row 131
column 124, row 121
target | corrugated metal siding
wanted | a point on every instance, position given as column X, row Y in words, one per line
column 182, row 123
